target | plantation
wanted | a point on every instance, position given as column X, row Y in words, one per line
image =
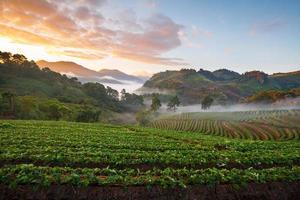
column 42, row 154
column 256, row 125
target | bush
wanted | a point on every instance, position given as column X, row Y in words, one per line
column 88, row 115
column 143, row 117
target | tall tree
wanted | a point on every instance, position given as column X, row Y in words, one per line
column 206, row 102
column 123, row 95
column 113, row 94
column 155, row 103
column 8, row 99
column 173, row 103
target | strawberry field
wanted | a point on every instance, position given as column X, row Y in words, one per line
column 256, row 125
column 39, row 154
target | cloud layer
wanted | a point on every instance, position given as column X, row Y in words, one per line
column 77, row 28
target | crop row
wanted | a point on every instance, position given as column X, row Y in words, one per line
column 67, row 144
column 237, row 115
column 45, row 176
column 231, row 129
column 259, row 125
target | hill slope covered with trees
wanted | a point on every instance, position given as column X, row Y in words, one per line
column 28, row 92
column 223, row 85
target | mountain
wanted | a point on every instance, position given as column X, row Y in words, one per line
column 87, row 75
column 223, row 85
column 22, row 78
column 68, row 68
column 120, row 75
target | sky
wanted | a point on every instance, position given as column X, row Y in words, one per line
column 147, row 36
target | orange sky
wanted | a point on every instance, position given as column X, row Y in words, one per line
column 42, row 30
column 142, row 36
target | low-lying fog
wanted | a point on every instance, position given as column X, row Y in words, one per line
column 280, row 105
column 129, row 86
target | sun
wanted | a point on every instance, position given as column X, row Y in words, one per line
column 30, row 51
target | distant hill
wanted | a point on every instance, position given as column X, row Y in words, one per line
column 22, row 77
column 292, row 97
column 87, row 75
column 117, row 74
column 224, row 85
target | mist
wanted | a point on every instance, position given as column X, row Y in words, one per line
column 146, row 90
column 286, row 104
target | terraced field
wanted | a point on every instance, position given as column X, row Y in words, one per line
column 94, row 161
column 256, row 125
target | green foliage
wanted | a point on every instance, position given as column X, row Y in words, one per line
column 115, row 155
column 272, row 96
column 131, row 99
column 88, row 115
column 255, row 125
column 29, row 92
column 206, row 102
column 155, row 105
column 143, row 117
column 7, row 107
column 173, row 103
column 23, row 77
column 226, row 86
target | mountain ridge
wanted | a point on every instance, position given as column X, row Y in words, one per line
column 112, row 76
column 224, row 85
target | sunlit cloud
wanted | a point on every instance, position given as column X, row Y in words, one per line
column 79, row 26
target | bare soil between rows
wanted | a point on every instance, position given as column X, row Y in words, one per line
column 266, row 191
column 146, row 166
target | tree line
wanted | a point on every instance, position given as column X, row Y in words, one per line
column 28, row 92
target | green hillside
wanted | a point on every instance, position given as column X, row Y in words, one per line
column 28, row 92
column 225, row 86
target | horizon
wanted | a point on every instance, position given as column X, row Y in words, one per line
column 148, row 36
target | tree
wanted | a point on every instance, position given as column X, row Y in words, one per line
column 8, row 101
column 155, row 103
column 123, row 95
column 19, row 58
column 54, row 111
column 206, row 102
column 143, row 117
column 113, row 94
column 88, row 115
column 173, row 103
column 5, row 57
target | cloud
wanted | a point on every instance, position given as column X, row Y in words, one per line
column 149, row 58
column 79, row 54
column 80, row 27
column 267, row 27
column 22, row 36
column 150, row 3
column 93, row 2
column 188, row 42
column 161, row 35
column 196, row 32
column 127, row 20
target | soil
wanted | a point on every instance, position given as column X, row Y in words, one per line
column 267, row 191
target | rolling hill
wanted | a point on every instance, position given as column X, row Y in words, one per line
column 224, row 85
column 87, row 75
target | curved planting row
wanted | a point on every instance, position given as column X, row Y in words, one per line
column 257, row 125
